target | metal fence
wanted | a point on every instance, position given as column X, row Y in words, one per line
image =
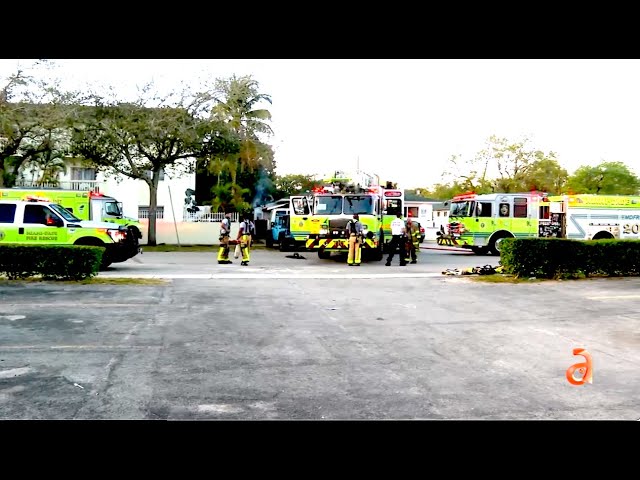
column 209, row 217
column 143, row 212
column 84, row 185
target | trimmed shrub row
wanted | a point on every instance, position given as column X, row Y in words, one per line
column 564, row 258
column 52, row 262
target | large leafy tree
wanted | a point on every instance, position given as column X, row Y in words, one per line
column 293, row 184
column 139, row 142
column 546, row 175
column 32, row 114
column 505, row 166
column 613, row 178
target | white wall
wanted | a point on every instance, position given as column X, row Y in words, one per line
column 134, row 193
column 441, row 217
column 189, row 233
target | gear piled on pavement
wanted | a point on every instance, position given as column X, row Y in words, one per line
column 296, row 255
column 484, row 270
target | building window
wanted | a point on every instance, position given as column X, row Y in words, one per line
column 82, row 178
column 143, row 212
column 80, row 173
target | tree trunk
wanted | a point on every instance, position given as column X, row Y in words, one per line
column 153, row 205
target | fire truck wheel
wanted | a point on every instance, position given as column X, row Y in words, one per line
column 137, row 235
column 494, row 244
column 603, row 236
column 381, row 244
column 283, row 245
column 378, row 253
column 323, row 255
column 94, row 242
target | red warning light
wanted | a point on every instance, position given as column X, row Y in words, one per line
column 465, row 196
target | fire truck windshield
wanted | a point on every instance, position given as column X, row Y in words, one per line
column 63, row 212
column 360, row 204
column 461, row 209
column 111, row 208
column 328, row 205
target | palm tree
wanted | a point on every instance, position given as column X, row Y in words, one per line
column 236, row 100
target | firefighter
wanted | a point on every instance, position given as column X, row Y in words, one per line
column 244, row 238
column 413, row 239
column 225, row 231
column 354, row 232
column 398, row 234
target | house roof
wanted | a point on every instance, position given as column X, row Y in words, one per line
column 282, row 203
column 440, row 206
column 412, row 197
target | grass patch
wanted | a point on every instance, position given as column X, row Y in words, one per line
column 93, row 281
column 504, row 278
column 500, row 278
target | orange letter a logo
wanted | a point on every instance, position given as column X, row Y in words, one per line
column 586, row 369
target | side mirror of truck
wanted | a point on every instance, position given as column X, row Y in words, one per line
column 54, row 222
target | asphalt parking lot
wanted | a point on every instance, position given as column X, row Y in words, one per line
column 202, row 265
column 308, row 339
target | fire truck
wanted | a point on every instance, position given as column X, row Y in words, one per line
column 320, row 218
column 481, row 221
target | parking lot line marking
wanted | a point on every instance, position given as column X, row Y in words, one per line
column 615, row 297
column 267, row 276
column 75, row 304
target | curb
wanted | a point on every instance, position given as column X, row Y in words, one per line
column 448, row 249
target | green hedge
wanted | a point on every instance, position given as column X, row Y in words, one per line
column 52, row 262
column 563, row 258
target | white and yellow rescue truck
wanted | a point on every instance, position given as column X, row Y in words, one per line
column 481, row 222
column 320, row 219
column 83, row 204
column 45, row 223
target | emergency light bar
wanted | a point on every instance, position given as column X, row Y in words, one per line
column 464, row 196
column 35, row 198
column 392, row 194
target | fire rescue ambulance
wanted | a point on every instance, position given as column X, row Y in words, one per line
column 37, row 222
column 85, row 205
column 320, row 219
column 481, row 221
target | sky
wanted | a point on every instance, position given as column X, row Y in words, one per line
column 402, row 119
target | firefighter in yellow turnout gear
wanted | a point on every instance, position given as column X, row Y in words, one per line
column 225, row 231
column 413, row 240
column 244, row 237
column 355, row 233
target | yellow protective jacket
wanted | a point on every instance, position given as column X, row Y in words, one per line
column 413, row 232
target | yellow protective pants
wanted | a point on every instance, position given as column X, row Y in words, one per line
column 412, row 251
column 245, row 244
column 223, row 252
column 355, row 250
